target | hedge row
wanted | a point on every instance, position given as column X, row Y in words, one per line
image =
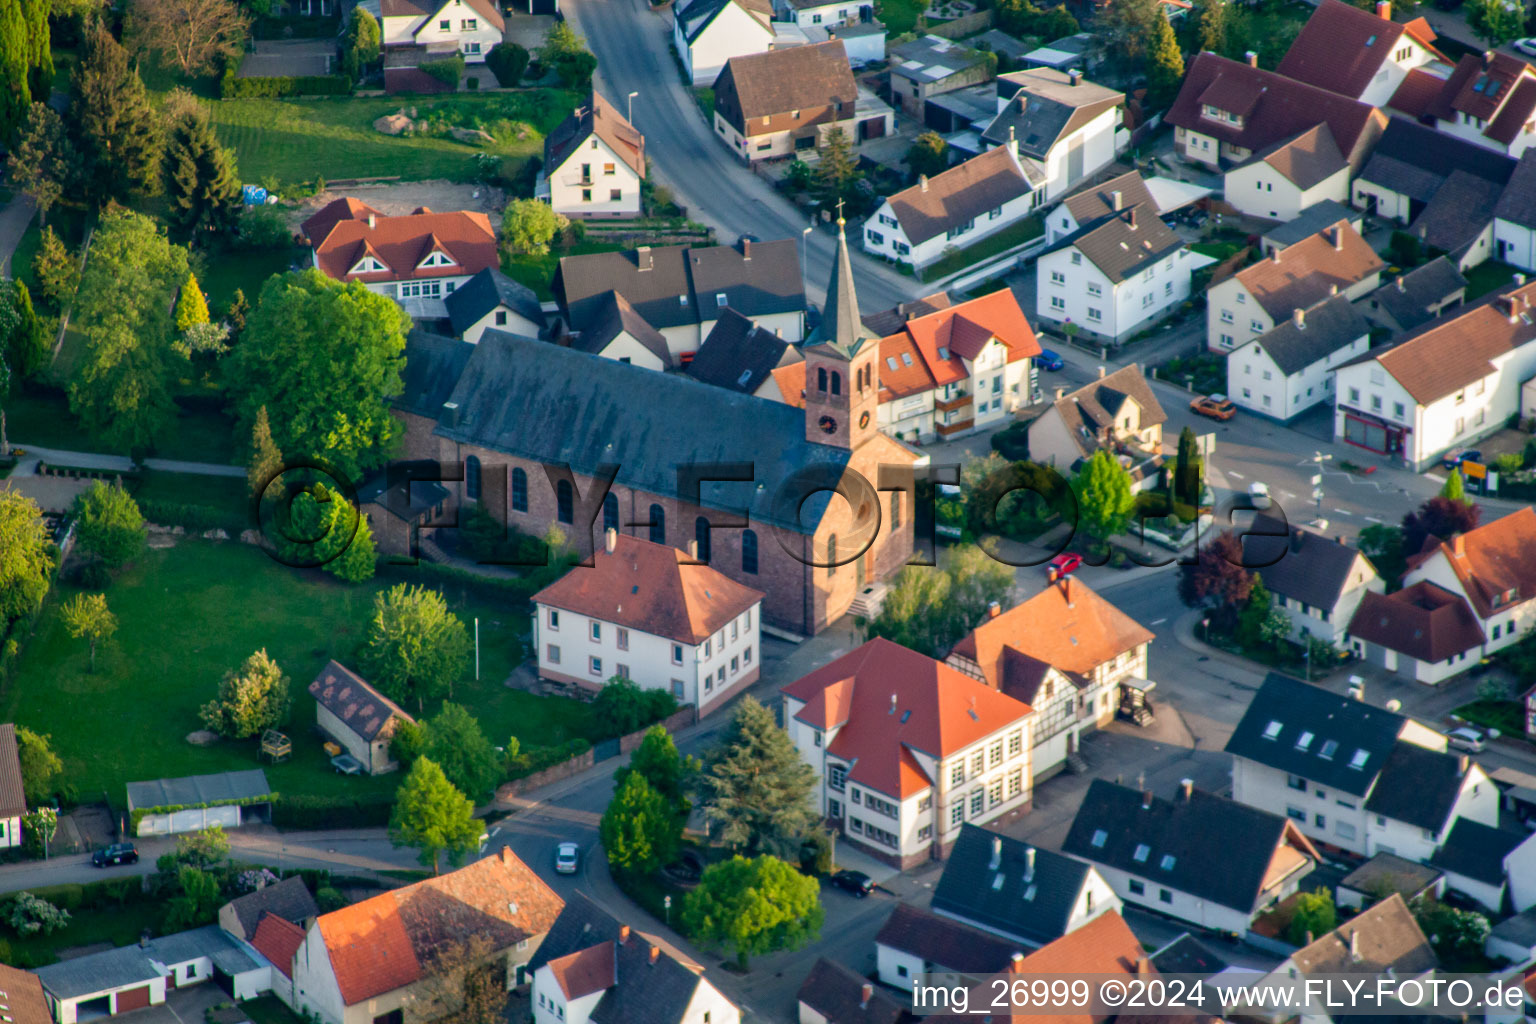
column 537, row 759
column 115, row 892
column 191, row 517
column 231, row 87
column 309, row 811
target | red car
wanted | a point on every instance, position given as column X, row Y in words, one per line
column 1064, row 564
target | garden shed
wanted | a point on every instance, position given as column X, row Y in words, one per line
column 230, row 799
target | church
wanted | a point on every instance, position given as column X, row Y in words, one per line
column 810, row 506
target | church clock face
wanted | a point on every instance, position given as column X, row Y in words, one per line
column 828, row 425
column 863, row 420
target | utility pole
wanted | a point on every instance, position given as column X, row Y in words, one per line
column 1318, row 458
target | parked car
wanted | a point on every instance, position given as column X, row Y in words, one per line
column 856, row 882
column 346, row 764
column 1456, row 456
column 1049, row 360
column 1469, row 740
column 1258, row 493
column 117, row 853
column 1065, row 564
column 1217, row 407
column 567, row 859
column 1526, row 46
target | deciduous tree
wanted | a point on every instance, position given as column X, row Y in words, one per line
column 1383, row 545
column 453, row 739
column 361, row 46
column 45, row 164
column 33, row 915
column 197, row 901
column 1211, row 26
column 25, row 560
column 507, row 62
column 1496, row 21
column 39, row 764
column 416, row 647
column 1260, row 623
column 529, row 225
column 359, row 559
column 638, row 830
column 1217, row 579
column 204, row 848
column 194, row 36
column 668, row 772
column 1104, row 498
column 432, row 816
column 251, row 699
column 756, row 788
column 110, row 528
column 87, row 615
column 114, row 125
column 1314, row 917
column 1438, row 517
column 622, row 707
column 753, row 907
column 325, row 359
column 928, row 154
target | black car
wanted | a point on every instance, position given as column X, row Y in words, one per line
column 856, row 882
column 117, row 853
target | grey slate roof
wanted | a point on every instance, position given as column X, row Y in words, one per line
column 1327, row 327
column 697, row 16
column 837, row 993
column 1477, row 850
column 433, row 363
column 1518, row 203
column 967, row 891
column 1461, row 209
column 1409, row 298
column 1298, row 562
column 1187, row 955
column 1520, row 929
column 1207, row 846
column 740, row 355
column 192, row 790
column 1312, row 220
column 616, row 316
column 208, row 941
column 841, row 328
column 288, row 899
column 98, row 972
column 1043, row 106
column 482, row 293
column 1417, row 785
column 947, row 944
column 553, row 404
column 1415, row 161
column 939, row 58
column 643, row 992
column 1361, row 734
column 13, row 795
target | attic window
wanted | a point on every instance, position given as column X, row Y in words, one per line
column 1272, row 730
column 1358, row 761
column 1330, row 747
column 1099, row 838
column 1167, row 862
column 1371, row 41
column 512, row 906
column 943, row 352
column 635, row 589
column 905, row 715
column 746, row 375
column 1304, row 741
column 997, row 882
column 1141, row 854
column 890, row 361
column 720, row 298
column 1029, row 894
column 972, row 713
column 682, row 300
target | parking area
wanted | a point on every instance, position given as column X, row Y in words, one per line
column 279, row 58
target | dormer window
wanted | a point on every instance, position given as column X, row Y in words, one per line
column 368, row 265
column 437, row 259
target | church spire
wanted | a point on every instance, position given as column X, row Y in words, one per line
column 841, row 326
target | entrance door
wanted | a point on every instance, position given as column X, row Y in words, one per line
column 859, row 575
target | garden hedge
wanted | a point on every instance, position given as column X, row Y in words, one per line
column 231, row 87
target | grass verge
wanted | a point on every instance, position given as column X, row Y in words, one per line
column 1017, row 234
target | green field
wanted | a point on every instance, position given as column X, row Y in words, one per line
column 189, row 613
column 295, row 140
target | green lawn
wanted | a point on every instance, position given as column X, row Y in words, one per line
column 189, row 613
column 1006, row 239
column 295, row 140
column 42, row 418
column 222, row 272
column 118, row 925
column 899, row 16
column 1507, row 716
column 1485, row 277
column 538, row 271
column 269, row 1010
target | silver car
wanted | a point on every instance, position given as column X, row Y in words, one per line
column 1469, row 740
column 567, row 859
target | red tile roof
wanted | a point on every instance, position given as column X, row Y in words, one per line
column 385, row 943
column 1304, row 274
column 1104, row 945
column 402, row 243
column 24, row 999
column 1494, row 559
column 651, row 588
column 1417, row 95
column 13, row 795
column 278, row 939
column 1341, row 47
column 319, row 223
column 1423, row 621
column 939, row 342
column 585, row 971
column 1460, row 348
column 888, row 702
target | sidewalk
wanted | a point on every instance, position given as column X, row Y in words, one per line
column 118, row 463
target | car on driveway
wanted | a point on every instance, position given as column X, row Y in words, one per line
column 346, row 764
column 855, row 882
column 1065, row 564
column 1469, row 740
column 117, row 853
column 1048, row 360
column 1456, row 456
column 1526, row 46
column 567, row 859
column 1217, row 407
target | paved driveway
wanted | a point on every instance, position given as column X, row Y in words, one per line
column 277, row 58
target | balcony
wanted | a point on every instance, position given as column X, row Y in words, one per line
column 949, row 405
column 947, row 430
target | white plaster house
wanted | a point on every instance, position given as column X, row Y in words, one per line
column 594, row 162
column 949, row 952
column 1493, row 569
column 13, row 798
column 1282, row 181
column 1445, row 385
column 1359, row 54
column 1353, row 776
column 907, row 750
column 1317, row 581
column 491, row 299
column 1423, row 632
column 469, row 27
column 1480, row 862
column 1514, row 223
column 1118, row 413
column 1288, row 369
column 1069, row 127
column 1112, row 267
column 1200, row 858
column 707, row 33
column 653, row 614
column 806, row 13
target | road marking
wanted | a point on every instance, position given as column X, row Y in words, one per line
column 1343, row 511
column 1372, row 519
column 1287, row 494
column 1435, row 477
column 1158, row 622
column 1236, row 476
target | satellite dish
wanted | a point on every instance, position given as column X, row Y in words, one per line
column 1394, row 705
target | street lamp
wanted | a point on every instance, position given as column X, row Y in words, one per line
column 667, row 903
column 804, row 234
column 632, row 106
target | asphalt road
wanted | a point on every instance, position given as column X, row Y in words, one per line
column 632, row 45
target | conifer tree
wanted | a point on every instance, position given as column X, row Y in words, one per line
column 191, row 305
column 15, row 49
column 756, row 788
column 201, row 186
column 1165, row 64
column 40, row 55
column 114, row 125
column 266, row 460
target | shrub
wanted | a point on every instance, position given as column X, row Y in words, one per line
column 231, row 87
column 329, row 899
column 190, row 517
column 447, row 71
column 1012, row 442
column 312, row 811
column 507, row 62
column 1508, row 463
column 264, row 227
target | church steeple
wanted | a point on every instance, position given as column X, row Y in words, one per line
column 842, row 368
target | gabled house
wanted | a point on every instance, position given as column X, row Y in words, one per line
column 357, row 716
column 1287, row 178
column 1111, row 266
column 708, row 33
column 956, row 370
column 834, row 994
column 442, row 28
column 1289, row 368
column 1118, row 413
column 594, row 162
column 906, row 750
column 288, row 900
column 1201, row 858
column 806, row 13
column 1423, row 632
column 1359, row 54
column 417, row 260
column 652, row 614
column 616, row 330
column 592, row 968
column 1479, row 860
column 1385, row 874
column 13, row 795
column 1353, row 776
column 1227, row 111
column 1446, row 384
column 1411, row 300
column 682, row 291
column 1514, row 218
column 930, row 66
column 1253, row 301
column 492, row 299
column 1488, row 99
column 915, row 942
column 376, row 959
column 959, row 207
column 1493, row 569
column 1016, row 890
column 783, row 102
column 743, row 357
column 1308, row 223
column 1067, row 653
column 1066, row 124
column 1316, row 580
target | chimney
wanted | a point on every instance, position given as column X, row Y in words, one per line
column 1299, row 318
column 506, row 855
column 778, row 332
column 655, row 954
column 1338, row 238
column 922, row 183
column 1023, row 102
column 1276, row 256
column 693, row 550
column 1513, row 304
column 610, row 539
column 866, row 992
column 1354, row 946
column 1075, row 76
column 1296, row 540
column 372, row 220
column 1116, row 198
column 1015, row 963
column 1466, row 763
column 1130, row 218
column 1333, row 289
column 643, row 257
column 1143, row 966
column 1400, row 287
column 1459, row 545
column 1146, row 799
column 893, row 703
column 450, row 416
column 1253, row 58
column 1029, row 864
column 1384, row 10
column 994, row 610
column 623, row 934
column 746, row 250
column 1519, row 279
column 1187, row 788
column 1066, row 589
column 1013, row 143
column 1101, row 371
column 1061, row 393
column 997, row 854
